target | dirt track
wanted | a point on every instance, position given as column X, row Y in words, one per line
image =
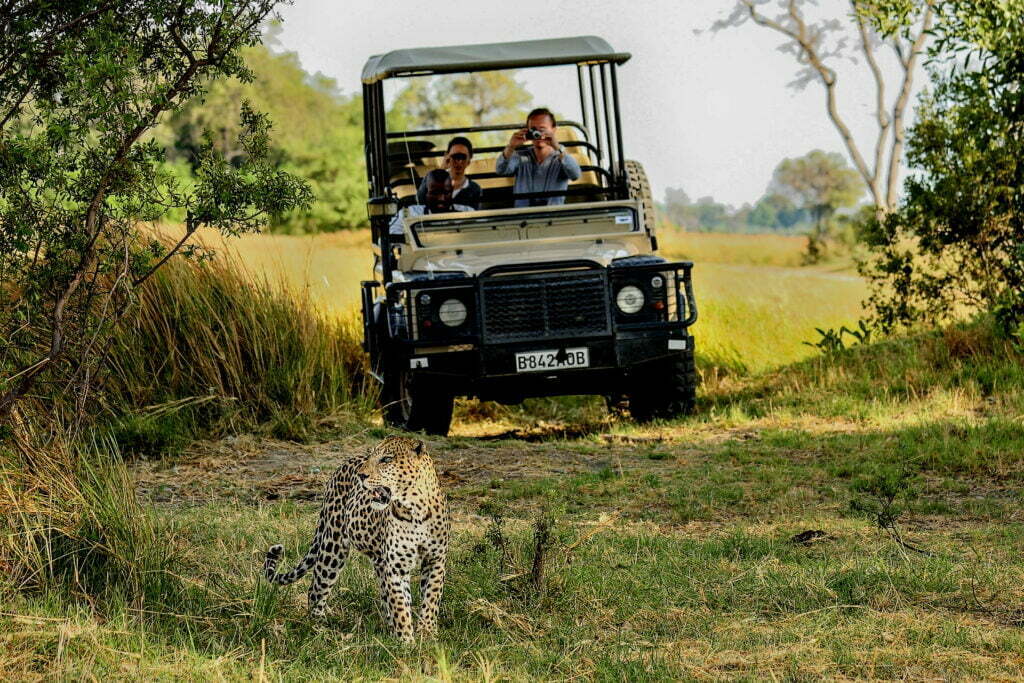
column 249, row 469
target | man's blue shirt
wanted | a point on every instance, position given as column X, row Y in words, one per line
column 551, row 175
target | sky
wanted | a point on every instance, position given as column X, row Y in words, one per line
column 709, row 112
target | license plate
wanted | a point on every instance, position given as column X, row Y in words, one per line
column 554, row 359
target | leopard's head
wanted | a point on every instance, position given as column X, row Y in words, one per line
column 397, row 473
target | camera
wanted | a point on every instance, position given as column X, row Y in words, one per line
column 534, row 134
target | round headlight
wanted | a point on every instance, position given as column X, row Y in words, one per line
column 657, row 282
column 629, row 299
column 425, row 299
column 452, row 312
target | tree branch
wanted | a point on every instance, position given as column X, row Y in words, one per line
column 191, row 225
column 9, row 57
column 899, row 132
column 828, row 78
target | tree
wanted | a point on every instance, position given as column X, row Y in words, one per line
column 677, row 207
column 821, row 183
column 709, row 213
column 322, row 141
column 763, row 215
column 901, row 25
column 490, row 97
column 83, row 83
column 705, row 214
column 475, row 99
column 957, row 241
column 788, row 213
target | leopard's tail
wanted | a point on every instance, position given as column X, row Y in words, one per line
column 274, row 555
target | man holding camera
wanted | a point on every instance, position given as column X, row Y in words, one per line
column 544, row 167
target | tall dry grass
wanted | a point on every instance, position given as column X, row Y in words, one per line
column 70, row 522
column 213, row 347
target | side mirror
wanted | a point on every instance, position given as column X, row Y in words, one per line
column 381, row 206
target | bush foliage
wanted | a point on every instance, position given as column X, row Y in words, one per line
column 957, row 241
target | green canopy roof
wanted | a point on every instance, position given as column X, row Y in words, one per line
column 489, row 56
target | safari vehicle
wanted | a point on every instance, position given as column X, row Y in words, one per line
column 509, row 303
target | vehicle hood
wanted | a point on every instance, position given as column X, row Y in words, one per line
column 475, row 262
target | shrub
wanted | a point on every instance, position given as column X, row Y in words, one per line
column 221, row 351
column 957, row 241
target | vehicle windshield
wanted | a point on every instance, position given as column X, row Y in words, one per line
column 463, row 124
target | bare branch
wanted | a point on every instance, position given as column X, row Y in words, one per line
column 809, row 52
column 191, row 225
column 899, row 132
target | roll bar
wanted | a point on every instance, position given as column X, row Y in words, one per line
column 601, row 130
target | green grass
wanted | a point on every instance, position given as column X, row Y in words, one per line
column 736, row 601
column 731, row 248
column 672, row 556
column 755, row 318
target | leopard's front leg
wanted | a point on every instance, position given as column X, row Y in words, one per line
column 431, row 586
column 397, row 598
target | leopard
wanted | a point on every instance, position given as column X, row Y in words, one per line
column 387, row 503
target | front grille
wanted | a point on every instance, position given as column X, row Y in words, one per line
column 547, row 305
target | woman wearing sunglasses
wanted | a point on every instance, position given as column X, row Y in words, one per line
column 456, row 160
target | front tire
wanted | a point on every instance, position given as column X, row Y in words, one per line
column 665, row 389
column 416, row 403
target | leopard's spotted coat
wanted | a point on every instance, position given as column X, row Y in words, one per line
column 386, row 503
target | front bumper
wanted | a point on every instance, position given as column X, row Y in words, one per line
column 474, row 360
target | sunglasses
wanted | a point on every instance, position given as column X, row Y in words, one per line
column 458, row 156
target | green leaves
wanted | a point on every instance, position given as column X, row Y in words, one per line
column 83, row 83
column 889, row 17
column 239, row 198
column 833, row 341
column 318, row 135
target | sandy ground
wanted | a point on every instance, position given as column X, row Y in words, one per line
column 249, row 469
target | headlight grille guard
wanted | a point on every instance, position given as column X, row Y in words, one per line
column 407, row 316
column 420, row 322
column 678, row 287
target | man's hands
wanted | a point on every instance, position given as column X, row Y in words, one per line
column 549, row 139
column 518, row 138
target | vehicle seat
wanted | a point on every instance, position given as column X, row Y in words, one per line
column 404, row 174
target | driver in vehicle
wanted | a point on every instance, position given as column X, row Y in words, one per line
column 456, row 161
column 438, row 199
column 543, row 167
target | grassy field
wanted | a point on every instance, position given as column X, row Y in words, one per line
column 756, row 305
column 856, row 515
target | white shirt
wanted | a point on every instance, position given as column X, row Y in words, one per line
column 418, row 210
